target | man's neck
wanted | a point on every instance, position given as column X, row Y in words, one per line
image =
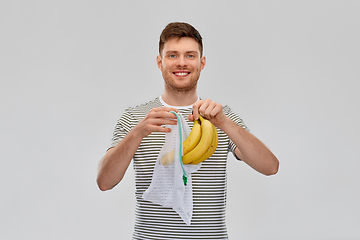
column 180, row 98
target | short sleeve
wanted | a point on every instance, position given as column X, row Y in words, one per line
column 239, row 121
column 122, row 127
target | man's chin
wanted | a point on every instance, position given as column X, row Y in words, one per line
column 182, row 87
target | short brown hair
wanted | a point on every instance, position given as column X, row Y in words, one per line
column 180, row 30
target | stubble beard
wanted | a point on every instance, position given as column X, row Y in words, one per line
column 171, row 85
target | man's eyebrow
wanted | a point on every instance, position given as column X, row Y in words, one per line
column 194, row 52
column 191, row 51
column 167, row 52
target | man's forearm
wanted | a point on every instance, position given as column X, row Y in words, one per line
column 250, row 149
column 114, row 164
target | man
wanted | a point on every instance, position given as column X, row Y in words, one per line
column 140, row 134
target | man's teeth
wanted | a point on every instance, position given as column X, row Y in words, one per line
column 182, row 74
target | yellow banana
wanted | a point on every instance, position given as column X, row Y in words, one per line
column 204, row 144
column 168, row 158
column 216, row 142
column 189, row 144
column 193, row 139
column 211, row 149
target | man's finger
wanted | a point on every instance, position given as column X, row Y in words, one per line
column 196, row 107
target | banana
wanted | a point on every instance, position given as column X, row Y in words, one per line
column 189, row 144
column 193, row 139
column 198, row 146
column 211, row 149
column 216, row 142
column 207, row 132
column 167, row 158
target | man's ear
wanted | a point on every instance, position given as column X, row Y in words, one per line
column 159, row 62
column 202, row 62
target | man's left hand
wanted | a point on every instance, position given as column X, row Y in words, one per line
column 209, row 110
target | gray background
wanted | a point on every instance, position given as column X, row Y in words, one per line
column 68, row 69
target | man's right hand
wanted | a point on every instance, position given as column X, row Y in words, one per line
column 113, row 165
column 155, row 120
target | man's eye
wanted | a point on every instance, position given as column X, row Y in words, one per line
column 172, row 56
column 191, row 56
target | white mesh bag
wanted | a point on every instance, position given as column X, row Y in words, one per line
column 171, row 184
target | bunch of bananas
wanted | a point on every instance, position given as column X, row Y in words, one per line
column 198, row 146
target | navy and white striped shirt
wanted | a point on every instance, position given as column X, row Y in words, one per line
column 153, row 221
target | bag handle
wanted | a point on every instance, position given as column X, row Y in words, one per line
column 184, row 177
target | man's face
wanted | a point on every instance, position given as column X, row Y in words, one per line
column 181, row 64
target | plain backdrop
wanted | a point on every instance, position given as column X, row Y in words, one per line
column 290, row 69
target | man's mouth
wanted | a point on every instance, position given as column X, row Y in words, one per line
column 181, row 73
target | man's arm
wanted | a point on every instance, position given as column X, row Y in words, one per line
column 114, row 164
column 249, row 149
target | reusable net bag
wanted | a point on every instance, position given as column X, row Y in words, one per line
column 171, row 184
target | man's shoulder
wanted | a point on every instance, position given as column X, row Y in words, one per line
column 145, row 106
column 226, row 109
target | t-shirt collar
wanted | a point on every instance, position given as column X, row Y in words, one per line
column 178, row 107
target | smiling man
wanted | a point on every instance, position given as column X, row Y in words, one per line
column 180, row 62
column 139, row 136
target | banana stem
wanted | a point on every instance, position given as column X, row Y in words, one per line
column 180, row 152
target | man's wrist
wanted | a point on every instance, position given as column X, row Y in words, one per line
column 136, row 134
column 231, row 128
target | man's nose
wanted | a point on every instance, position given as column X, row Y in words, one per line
column 182, row 61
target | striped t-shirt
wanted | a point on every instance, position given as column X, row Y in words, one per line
column 153, row 221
